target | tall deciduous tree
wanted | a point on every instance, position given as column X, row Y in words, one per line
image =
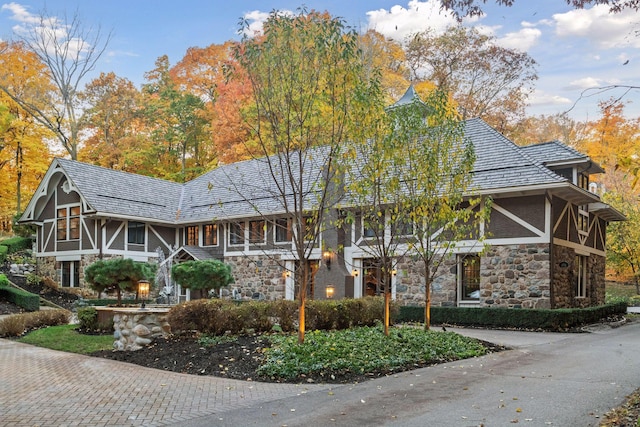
column 24, row 154
column 387, row 57
column 178, row 124
column 304, row 72
column 111, row 117
column 486, row 80
column 438, row 199
column 69, row 51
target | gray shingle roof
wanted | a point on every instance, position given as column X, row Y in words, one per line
column 120, row 193
column 556, row 153
column 246, row 189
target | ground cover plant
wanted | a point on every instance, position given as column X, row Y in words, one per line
column 349, row 355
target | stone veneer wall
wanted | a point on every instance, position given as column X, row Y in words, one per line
column 46, row 266
column 515, row 276
column 134, row 329
column 564, row 280
column 256, row 275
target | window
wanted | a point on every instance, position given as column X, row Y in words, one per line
column 69, row 273
column 257, row 231
column 68, row 223
column 135, row 233
column 192, row 235
column 583, row 219
column 469, row 277
column 210, row 234
column 236, row 233
column 283, row 230
column 581, row 275
column 403, row 227
column 370, row 225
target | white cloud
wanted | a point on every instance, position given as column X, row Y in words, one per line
column 256, row 19
column 399, row 22
column 522, row 40
column 604, row 29
column 584, row 83
column 20, row 13
column 541, row 98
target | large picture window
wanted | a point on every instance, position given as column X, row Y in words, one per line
column 469, row 277
column 135, row 233
column 68, row 223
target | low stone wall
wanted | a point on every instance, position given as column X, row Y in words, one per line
column 135, row 328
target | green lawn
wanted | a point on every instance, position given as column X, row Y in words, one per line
column 66, row 338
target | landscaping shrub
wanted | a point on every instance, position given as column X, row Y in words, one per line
column 551, row 320
column 88, row 318
column 33, row 279
column 24, row 299
column 286, row 313
column 3, row 253
column 4, row 282
column 17, row 244
column 218, row 317
column 18, row 324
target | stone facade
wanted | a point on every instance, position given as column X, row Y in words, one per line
column 514, row 276
column 256, row 277
column 564, row 280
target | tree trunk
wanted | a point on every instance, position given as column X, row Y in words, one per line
column 427, row 301
column 387, row 310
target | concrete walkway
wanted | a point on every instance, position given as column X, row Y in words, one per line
column 548, row 379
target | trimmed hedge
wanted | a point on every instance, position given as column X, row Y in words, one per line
column 24, row 299
column 550, row 320
column 103, row 302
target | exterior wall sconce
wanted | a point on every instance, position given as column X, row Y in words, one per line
column 330, row 291
column 287, row 273
column 326, row 257
column 143, row 291
column 355, row 272
column 394, row 272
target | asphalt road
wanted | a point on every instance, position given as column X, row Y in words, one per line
column 546, row 380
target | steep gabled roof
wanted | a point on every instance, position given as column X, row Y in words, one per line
column 557, row 154
column 247, row 189
column 501, row 164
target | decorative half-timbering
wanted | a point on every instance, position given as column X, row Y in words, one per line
column 543, row 247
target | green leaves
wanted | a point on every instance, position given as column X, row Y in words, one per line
column 206, row 274
column 363, row 350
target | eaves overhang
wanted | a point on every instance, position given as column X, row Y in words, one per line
column 606, row 212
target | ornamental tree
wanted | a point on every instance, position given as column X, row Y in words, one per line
column 118, row 274
column 204, row 275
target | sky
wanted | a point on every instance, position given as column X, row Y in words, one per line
column 576, row 50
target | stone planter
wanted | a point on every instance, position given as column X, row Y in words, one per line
column 135, row 328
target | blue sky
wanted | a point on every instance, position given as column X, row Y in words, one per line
column 575, row 49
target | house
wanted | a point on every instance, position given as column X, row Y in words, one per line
column 545, row 246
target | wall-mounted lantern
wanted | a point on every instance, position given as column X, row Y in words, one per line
column 326, row 257
column 143, row 291
column 330, row 291
column 355, row 272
